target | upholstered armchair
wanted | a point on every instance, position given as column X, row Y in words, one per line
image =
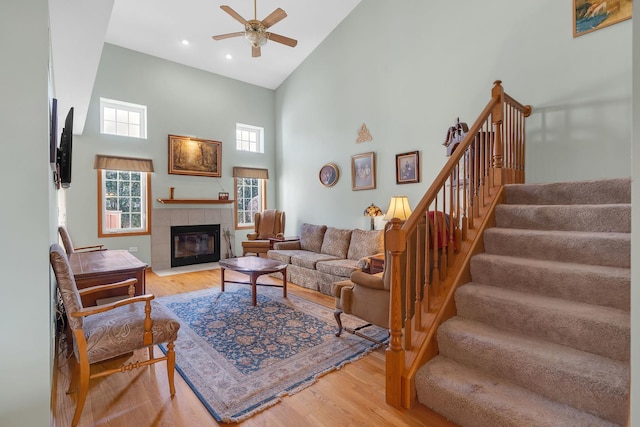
column 365, row 296
column 110, row 330
column 68, row 243
column 268, row 224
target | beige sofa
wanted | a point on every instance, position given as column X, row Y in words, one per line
column 325, row 255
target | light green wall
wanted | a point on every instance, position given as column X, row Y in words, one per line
column 635, row 237
column 25, row 364
column 408, row 69
column 181, row 101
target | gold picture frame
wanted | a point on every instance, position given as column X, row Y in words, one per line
column 363, row 171
column 195, row 156
column 329, row 175
column 591, row 15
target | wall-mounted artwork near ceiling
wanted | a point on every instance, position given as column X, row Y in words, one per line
column 194, row 156
column 591, row 15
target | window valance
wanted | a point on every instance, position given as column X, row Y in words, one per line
column 240, row 172
column 122, row 163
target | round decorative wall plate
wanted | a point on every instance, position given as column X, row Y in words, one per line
column 329, row 175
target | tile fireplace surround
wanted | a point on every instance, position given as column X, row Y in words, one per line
column 163, row 219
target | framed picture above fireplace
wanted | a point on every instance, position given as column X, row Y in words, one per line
column 194, row 156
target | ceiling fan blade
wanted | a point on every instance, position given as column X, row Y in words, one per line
column 282, row 39
column 227, row 36
column 234, row 14
column 275, row 17
column 256, row 52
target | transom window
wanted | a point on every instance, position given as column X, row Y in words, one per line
column 123, row 118
column 124, row 202
column 249, row 138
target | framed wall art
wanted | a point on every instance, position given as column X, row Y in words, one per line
column 363, row 171
column 329, row 175
column 194, row 156
column 408, row 167
column 591, row 15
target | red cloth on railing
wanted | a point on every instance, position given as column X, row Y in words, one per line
column 444, row 233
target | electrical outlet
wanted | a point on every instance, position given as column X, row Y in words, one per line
column 133, row 249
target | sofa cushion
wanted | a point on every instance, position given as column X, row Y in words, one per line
column 311, row 237
column 284, row 255
column 365, row 243
column 336, row 242
column 339, row 267
column 308, row 259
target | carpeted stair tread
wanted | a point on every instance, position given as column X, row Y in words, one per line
column 472, row 398
column 605, row 191
column 596, row 329
column 583, row 380
column 609, row 249
column 600, row 285
column 601, row 218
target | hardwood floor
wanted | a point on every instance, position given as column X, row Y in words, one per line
column 351, row 396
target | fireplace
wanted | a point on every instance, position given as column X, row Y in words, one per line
column 195, row 244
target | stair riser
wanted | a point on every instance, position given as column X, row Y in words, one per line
column 583, row 249
column 605, row 399
column 588, row 330
column 594, row 218
column 470, row 398
column 570, row 282
column 567, row 193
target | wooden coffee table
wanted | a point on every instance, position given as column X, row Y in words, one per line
column 254, row 267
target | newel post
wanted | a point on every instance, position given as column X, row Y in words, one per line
column 396, row 243
column 497, row 118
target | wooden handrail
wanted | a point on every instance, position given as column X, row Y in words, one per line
column 430, row 251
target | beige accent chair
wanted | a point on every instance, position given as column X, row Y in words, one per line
column 365, row 296
column 268, row 224
column 107, row 331
column 68, row 243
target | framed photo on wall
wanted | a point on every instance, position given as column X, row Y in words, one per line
column 591, row 15
column 363, row 171
column 194, row 156
column 329, row 175
column 408, row 167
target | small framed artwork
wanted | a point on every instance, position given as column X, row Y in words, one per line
column 591, row 15
column 194, row 156
column 408, row 167
column 329, row 175
column 363, row 171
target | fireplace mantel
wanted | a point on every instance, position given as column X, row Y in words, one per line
column 195, row 201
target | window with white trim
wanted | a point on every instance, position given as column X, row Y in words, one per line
column 249, row 200
column 124, row 202
column 123, row 118
column 249, row 138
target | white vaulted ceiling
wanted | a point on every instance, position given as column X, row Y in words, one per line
column 158, row 27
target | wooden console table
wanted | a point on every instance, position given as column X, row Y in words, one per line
column 103, row 267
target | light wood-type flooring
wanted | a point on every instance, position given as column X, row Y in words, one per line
column 351, row 396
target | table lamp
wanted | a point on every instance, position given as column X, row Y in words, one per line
column 372, row 211
column 398, row 208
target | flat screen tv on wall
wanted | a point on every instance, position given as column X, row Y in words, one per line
column 65, row 151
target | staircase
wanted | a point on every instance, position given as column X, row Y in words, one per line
column 542, row 332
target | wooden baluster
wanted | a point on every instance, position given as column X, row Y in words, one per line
column 395, row 354
column 497, row 120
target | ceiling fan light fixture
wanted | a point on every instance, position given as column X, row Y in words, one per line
column 256, row 34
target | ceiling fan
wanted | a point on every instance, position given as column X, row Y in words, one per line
column 255, row 31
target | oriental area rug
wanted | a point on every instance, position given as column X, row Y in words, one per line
column 240, row 359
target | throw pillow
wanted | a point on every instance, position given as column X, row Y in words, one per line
column 365, row 243
column 336, row 242
column 311, row 237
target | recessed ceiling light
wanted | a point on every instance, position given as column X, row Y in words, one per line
column 228, row 56
column 185, row 42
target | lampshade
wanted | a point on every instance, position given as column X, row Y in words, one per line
column 398, row 208
column 372, row 210
column 256, row 38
